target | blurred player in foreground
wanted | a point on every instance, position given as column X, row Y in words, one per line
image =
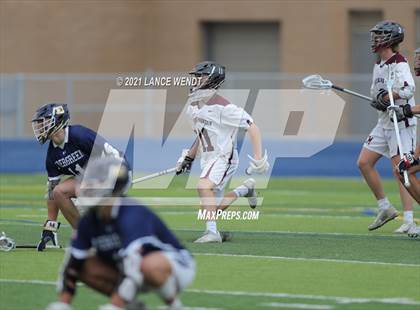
column 411, row 161
column 68, row 152
column 385, row 39
column 121, row 248
column 216, row 122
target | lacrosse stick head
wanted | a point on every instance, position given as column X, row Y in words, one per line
column 315, row 81
column 6, row 243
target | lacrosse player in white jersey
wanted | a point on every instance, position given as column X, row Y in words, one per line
column 216, row 122
column 382, row 141
column 411, row 161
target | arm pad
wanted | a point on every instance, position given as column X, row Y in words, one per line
column 69, row 274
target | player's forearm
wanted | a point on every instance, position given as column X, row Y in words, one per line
column 65, row 297
column 416, row 109
column 256, row 141
column 417, row 151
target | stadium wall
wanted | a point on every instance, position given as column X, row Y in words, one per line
column 337, row 160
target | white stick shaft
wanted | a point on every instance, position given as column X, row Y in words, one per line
column 397, row 132
column 154, row 175
column 348, row 91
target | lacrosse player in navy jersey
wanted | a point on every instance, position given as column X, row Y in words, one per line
column 121, row 248
column 68, row 152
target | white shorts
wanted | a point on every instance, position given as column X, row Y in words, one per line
column 220, row 171
column 384, row 141
column 183, row 267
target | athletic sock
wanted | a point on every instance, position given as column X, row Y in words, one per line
column 168, row 290
column 211, row 226
column 408, row 217
column 241, row 191
column 384, row 203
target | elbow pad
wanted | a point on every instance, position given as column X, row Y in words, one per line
column 406, row 92
column 51, row 184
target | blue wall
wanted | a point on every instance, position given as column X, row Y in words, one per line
column 338, row 160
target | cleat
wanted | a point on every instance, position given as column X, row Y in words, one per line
column 209, row 237
column 414, row 232
column 383, row 217
column 226, row 236
column 251, row 195
column 405, row 228
column 48, row 234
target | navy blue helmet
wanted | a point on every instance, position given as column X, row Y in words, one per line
column 48, row 119
column 103, row 177
column 212, row 73
column 386, row 34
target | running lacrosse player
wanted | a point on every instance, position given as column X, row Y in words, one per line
column 121, row 248
column 385, row 39
column 411, row 161
column 68, row 152
column 216, row 122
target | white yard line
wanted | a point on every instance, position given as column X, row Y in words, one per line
column 338, row 299
column 328, row 260
column 289, row 232
column 296, row 306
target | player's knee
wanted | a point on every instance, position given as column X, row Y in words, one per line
column 155, row 269
column 58, row 192
column 204, row 185
column 363, row 164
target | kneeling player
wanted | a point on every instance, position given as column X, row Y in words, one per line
column 121, row 248
column 216, row 121
column 68, row 152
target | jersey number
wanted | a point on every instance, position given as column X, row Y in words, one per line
column 205, row 141
column 78, row 169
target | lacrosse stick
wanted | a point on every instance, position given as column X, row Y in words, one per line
column 315, row 81
column 389, row 84
column 154, row 175
column 32, row 246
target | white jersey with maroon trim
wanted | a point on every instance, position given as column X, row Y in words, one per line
column 216, row 122
column 403, row 85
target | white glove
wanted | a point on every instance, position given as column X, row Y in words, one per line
column 110, row 307
column 58, row 305
column 258, row 166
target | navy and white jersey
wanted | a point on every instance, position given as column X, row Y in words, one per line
column 71, row 157
column 131, row 222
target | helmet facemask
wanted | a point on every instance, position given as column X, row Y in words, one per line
column 42, row 128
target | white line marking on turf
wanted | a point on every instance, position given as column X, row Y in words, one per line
column 296, row 306
column 328, row 260
column 289, row 232
column 338, row 299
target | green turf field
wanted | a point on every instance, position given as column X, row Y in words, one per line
column 309, row 249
